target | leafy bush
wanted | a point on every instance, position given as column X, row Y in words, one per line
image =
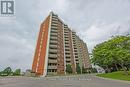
column 68, row 68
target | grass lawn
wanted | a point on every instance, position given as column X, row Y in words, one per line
column 116, row 75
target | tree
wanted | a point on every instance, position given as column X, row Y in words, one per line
column 6, row 72
column 84, row 70
column 17, row 72
column 78, row 69
column 68, row 68
column 94, row 70
column 0, row 73
column 114, row 52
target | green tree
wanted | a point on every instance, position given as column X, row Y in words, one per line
column 115, row 51
column 94, row 70
column 17, row 72
column 0, row 73
column 6, row 72
column 78, row 69
column 68, row 68
column 84, row 70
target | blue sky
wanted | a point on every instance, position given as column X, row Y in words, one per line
column 94, row 21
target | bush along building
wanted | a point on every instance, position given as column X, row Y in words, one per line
column 59, row 50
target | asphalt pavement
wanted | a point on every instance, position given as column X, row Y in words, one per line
column 62, row 81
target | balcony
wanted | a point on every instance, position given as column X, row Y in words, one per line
column 53, row 34
column 54, row 27
column 52, row 61
column 67, row 52
column 53, row 55
column 53, row 50
column 68, row 59
column 67, row 45
column 54, row 30
column 52, row 67
column 53, row 46
column 54, row 24
column 54, row 17
column 53, row 41
column 53, row 38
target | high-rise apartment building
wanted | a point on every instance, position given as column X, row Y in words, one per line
column 57, row 47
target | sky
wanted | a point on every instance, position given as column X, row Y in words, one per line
column 94, row 21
